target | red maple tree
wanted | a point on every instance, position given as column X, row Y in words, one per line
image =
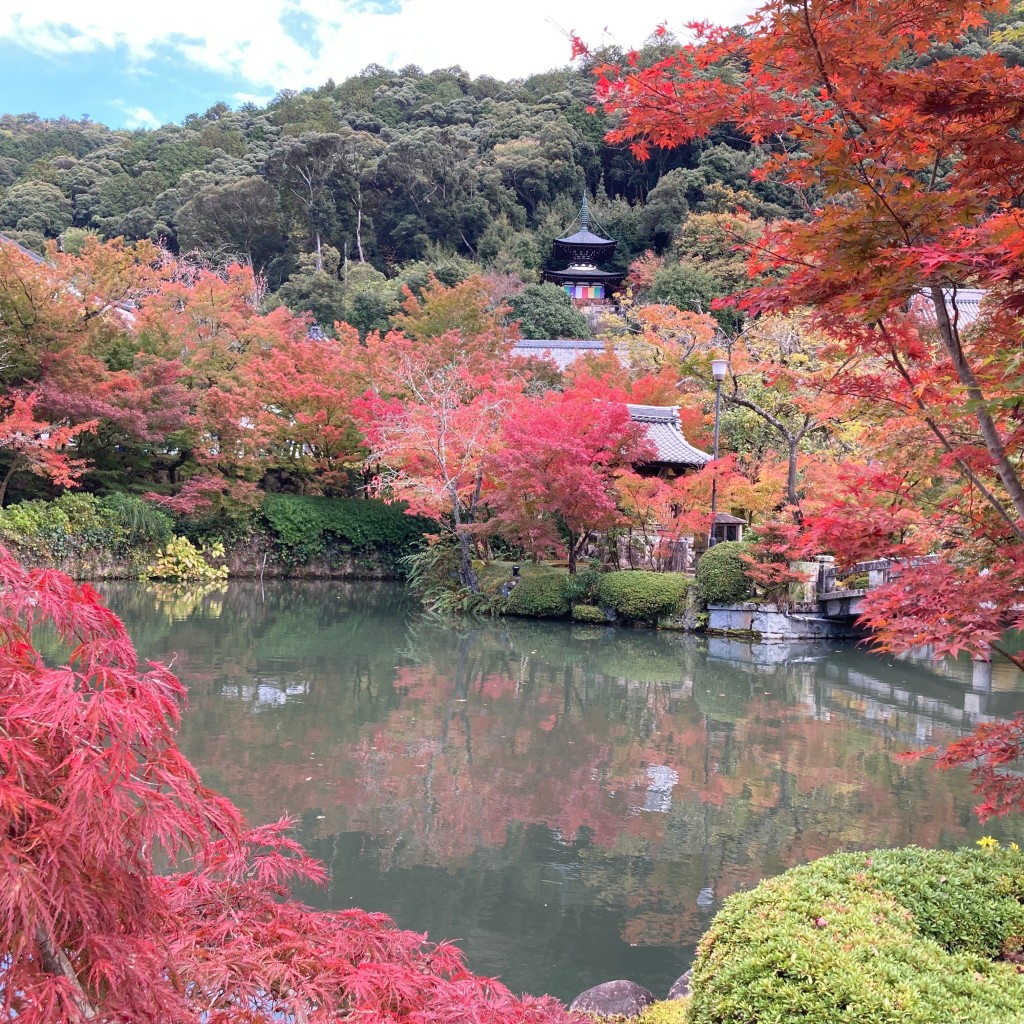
column 39, row 446
column 906, row 147
column 554, row 472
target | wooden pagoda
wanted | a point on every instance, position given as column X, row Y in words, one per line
column 584, row 281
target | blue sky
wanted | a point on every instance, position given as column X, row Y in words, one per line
column 141, row 63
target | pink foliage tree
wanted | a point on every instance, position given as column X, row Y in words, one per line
column 95, row 794
column 554, row 473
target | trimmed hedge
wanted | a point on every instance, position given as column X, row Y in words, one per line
column 545, row 596
column 722, row 573
column 907, row 936
column 306, row 528
column 639, row 595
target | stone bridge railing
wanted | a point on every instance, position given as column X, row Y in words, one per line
column 825, row 583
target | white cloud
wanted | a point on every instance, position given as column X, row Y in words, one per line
column 251, row 97
column 500, row 39
column 137, row 117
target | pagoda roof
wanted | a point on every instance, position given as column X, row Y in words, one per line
column 661, row 424
column 583, row 273
column 586, row 237
column 584, row 245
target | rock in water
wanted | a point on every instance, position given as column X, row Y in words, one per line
column 613, row 999
column 681, row 986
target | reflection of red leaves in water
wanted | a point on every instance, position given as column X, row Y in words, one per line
column 452, row 765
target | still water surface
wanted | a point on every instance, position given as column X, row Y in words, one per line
column 570, row 803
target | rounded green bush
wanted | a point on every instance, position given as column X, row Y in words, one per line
column 722, row 573
column 641, row 596
column 588, row 613
column 544, row 595
column 906, row 936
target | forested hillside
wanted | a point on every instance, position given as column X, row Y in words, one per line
column 334, row 195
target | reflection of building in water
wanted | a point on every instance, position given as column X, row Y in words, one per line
column 908, row 699
column 267, row 693
column 661, row 780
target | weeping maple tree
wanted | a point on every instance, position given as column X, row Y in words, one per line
column 95, row 795
column 906, row 145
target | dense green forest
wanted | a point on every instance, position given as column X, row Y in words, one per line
column 338, row 194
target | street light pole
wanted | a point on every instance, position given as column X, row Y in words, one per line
column 719, row 368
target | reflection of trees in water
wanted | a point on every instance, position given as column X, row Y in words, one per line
column 440, row 740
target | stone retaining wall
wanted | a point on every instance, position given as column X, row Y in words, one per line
column 769, row 624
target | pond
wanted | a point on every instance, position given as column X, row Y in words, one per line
column 571, row 804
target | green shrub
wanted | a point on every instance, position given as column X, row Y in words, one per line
column 858, row 581
column 543, row 595
column 181, row 560
column 666, row 1011
column 722, row 573
column 582, row 587
column 141, row 522
column 588, row 613
column 55, row 529
column 910, row 936
column 306, row 528
column 642, row 596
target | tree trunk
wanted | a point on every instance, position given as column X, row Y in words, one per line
column 989, row 431
column 466, row 575
column 359, row 229
column 794, row 498
column 6, row 480
column 572, row 553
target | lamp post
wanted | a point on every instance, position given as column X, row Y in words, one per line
column 719, row 368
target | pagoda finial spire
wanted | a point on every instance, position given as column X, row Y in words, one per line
column 585, row 212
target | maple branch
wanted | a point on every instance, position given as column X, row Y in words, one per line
column 960, row 463
column 55, row 961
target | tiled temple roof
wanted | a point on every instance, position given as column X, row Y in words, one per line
column 662, row 426
column 563, row 352
column 965, row 301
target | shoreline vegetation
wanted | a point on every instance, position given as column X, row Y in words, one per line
column 290, row 536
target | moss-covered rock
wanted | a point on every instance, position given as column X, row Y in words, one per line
column 910, row 936
column 722, row 573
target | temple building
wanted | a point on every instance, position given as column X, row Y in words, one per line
column 585, row 283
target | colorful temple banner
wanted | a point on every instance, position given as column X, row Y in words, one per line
column 585, row 291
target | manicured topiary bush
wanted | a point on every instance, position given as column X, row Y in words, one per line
column 722, row 573
column 910, row 936
column 641, row 596
column 588, row 613
column 544, row 595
